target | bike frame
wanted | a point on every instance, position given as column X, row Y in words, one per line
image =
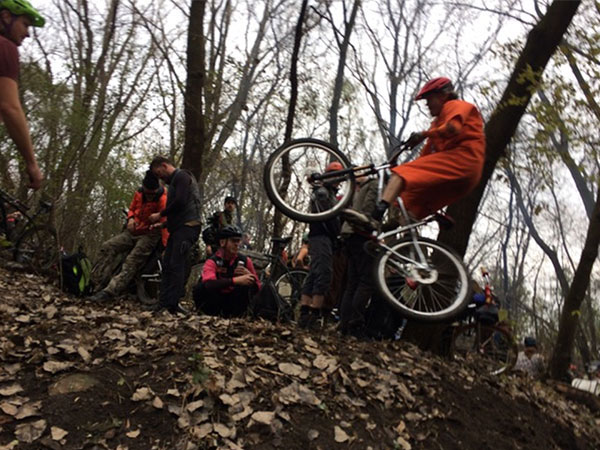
column 381, row 171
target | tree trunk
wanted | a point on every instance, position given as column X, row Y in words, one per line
column 541, row 43
column 339, row 78
column 289, row 123
column 195, row 129
column 569, row 317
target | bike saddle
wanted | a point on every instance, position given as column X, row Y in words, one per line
column 45, row 205
column 446, row 222
column 281, row 240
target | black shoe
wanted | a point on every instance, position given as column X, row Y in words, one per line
column 179, row 310
column 100, row 296
column 304, row 316
column 314, row 320
column 155, row 307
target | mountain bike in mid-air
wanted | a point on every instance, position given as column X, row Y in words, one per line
column 423, row 279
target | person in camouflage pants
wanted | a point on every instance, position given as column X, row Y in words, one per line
column 137, row 239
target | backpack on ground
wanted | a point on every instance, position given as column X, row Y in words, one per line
column 268, row 304
column 76, row 271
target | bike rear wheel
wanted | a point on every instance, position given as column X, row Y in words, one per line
column 37, row 249
column 289, row 287
column 433, row 295
column 304, row 157
column 490, row 344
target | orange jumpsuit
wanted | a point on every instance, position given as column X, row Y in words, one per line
column 449, row 167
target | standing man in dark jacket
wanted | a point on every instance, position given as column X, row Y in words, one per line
column 360, row 285
column 321, row 237
column 183, row 222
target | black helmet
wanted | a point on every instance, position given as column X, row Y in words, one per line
column 529, row 341
column 230, row 199
column 229, row 231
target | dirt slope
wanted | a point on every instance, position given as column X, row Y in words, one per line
column 74, row 375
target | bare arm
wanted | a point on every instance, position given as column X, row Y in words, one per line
column 18, row 129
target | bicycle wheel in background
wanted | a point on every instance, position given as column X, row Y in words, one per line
column 37, row 249
column 289, row 287
column 489, row 344
column 305, row 157
column 433, row 295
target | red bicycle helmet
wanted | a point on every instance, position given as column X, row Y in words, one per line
column 335, row 165
column 434, row 85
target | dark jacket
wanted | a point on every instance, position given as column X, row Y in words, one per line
column 183, row 201
column 323, row 198
column 364, row 200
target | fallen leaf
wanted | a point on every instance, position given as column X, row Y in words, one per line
column 12, row 389
column 264, row 417
column 242, row 414
column 229, row 400
column 85, row 355
column 400, row 427
column 290, row 369
column 56, row 366
column 202, row 431
column 223, row 430
column 157, row 403
column 29, row 410
column 29, row 432
column 297, row 393
column 340, row 435
column 312, row 435
column 193, row 406
column 8, row 408
column 58, row 433
column 133, row 434
column 403, row 443
column 141, row 394
column 115, row 334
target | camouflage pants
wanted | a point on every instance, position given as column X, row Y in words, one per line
column 137, row 249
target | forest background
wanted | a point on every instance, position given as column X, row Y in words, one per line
column 210, row 83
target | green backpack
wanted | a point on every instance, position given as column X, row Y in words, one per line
column 76, row 274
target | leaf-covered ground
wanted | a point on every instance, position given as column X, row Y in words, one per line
column 77, row 375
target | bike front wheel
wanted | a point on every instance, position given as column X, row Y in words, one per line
column 432, row 294
column 37, row 249
column 490, row 345
column 286, row 178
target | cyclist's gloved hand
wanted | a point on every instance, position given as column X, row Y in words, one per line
column 414, row 139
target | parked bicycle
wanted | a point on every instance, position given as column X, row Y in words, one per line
column 27, row 239
column 481, row 336
column 287, row 281
column 421, row 278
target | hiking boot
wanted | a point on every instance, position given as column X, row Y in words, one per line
column 360, row 220
column 100, row 296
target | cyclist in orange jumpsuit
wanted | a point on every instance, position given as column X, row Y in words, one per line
column 450, row 163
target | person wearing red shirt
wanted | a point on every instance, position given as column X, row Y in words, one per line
column 138, row 239
column 450, row 163
column 16, row 16
column 229, row 279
